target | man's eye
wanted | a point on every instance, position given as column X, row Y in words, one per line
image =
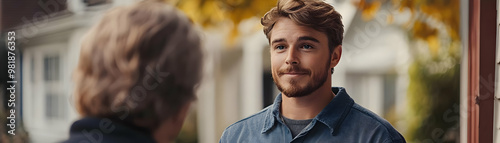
column 280, row 47
column 307, row 47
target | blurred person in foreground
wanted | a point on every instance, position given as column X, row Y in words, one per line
column 137, row 74
column 305, row 38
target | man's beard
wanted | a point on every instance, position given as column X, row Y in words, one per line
column 296, row 91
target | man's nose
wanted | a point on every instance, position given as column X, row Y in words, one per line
column 291, row 57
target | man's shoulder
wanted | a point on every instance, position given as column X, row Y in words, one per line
column 366, row 119
column 245, row 128
column 257, row 118
column 367, row 114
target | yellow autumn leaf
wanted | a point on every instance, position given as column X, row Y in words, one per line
column 434, row 45
column 370, row 10
column 213, row 13
column 422, row 30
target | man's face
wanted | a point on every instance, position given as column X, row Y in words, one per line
column 300, row 58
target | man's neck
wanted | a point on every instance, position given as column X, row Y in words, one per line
column 306, row 107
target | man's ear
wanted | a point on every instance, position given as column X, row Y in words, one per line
column 336, row 54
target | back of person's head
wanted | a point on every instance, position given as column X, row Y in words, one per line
column 316, row 14
column 140, row 64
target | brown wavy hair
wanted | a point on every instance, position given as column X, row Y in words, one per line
column 311, row 13
column 140, row 62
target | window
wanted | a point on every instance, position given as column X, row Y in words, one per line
column 53, row 108
column 51, row 68
column 32, row 70
column 54, row 101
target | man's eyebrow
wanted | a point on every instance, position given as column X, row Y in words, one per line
column 278, row 40
column 308, row 38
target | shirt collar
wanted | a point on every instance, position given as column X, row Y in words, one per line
column 332, row 115
column 272, row 114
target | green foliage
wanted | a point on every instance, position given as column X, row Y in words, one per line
column 434, row 88
column 433, row 101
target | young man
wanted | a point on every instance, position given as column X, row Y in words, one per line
column 305, row 38
column 136, row 76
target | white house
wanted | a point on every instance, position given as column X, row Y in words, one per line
column 50, row 49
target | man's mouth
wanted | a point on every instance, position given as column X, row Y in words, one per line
column 295, row 73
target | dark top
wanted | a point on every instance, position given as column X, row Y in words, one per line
column 103, row 130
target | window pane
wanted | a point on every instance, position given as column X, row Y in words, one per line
column 56, row 68
column 32, row 69
column 51, row 68
column 51, row 106
column 46, row 69
column 54, row 106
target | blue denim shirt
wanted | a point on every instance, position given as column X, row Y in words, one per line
column 341, row 120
